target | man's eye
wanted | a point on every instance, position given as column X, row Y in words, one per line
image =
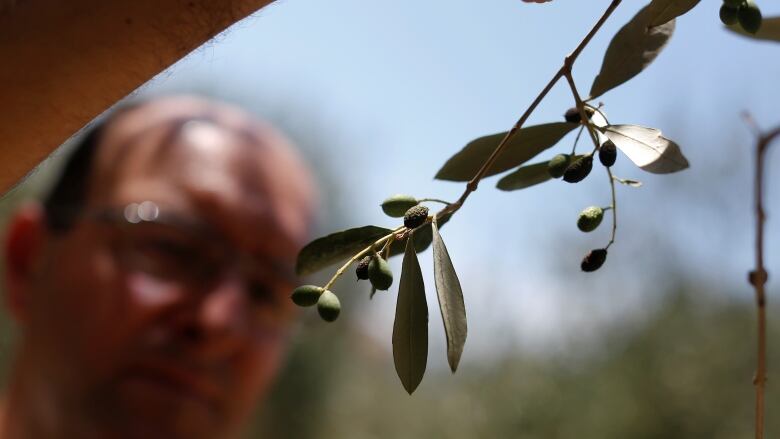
column 160, row 257
column 165, row 250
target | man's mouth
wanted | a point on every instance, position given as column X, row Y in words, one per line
column 174, row 381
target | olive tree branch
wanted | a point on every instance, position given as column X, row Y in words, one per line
column 471, row 186
column 360, row 254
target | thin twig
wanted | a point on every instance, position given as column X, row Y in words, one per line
column 577, row 140
column 359, row 255
column 581, row 108
column 566, row 67
column 471, row 186
column 614, row 207
column 758, row 277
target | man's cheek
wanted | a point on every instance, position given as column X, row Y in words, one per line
column 256, row 374
column 87, row 314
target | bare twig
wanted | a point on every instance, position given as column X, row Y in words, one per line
column 758, row 276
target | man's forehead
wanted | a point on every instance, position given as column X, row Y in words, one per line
column 143, row 116
column 182, row 158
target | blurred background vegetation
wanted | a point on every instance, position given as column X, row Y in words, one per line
column 680, row 367
column 684, row 373
column 660, row 343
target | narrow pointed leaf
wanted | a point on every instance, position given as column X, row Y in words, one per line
column 453, row 310
column 769, row 31
column 410, row 330
column 663, row 11
column 336, row 247
column 526, row 176
column 632, row 49
column 523, row 146
column 647, row 148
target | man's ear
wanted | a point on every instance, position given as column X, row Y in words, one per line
column 25, row 237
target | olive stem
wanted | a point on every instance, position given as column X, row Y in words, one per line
column 576, row 140
column 386, row 247
column 359, row 255
column 581, row 108
column 614, row 207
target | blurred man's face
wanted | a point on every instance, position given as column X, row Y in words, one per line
column 163, row 312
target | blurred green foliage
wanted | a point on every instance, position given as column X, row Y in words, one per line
column 684, row 373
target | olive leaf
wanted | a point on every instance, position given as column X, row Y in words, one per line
column 410, row 329
column 522, row 146
column 336, row 247
column 453, row 310
column 527, row 176
column 631, row 50
column 647, row 148
column 663, row 11
column 769, row 31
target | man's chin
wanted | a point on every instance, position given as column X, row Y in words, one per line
column 152, row 408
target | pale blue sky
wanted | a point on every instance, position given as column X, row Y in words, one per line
column 401, row 85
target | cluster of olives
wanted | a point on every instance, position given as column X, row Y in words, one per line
column 573, row 170
column 328, row 304
column 373, row 268
column 376, row 270
column 744, row 12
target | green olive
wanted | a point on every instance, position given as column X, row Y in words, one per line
column 306, row 295
column 379, row 273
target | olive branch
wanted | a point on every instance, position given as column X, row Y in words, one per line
column 632, row 49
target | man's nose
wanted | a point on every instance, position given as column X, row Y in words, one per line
column 216, row 321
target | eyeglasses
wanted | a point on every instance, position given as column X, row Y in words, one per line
column 176, row 250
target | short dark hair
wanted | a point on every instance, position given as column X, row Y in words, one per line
column 69, row 191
